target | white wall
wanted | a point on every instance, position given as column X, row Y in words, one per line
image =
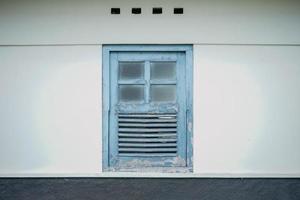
column 204, row 21
column 50, row 104
column 246, row 110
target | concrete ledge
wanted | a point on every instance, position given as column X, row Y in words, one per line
column 145, row 188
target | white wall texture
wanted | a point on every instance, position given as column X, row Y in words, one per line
column 247, row 110
column 204, row 21
column 50, row 104
column 246, row 81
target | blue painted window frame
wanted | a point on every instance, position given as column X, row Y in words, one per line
column 107, row 53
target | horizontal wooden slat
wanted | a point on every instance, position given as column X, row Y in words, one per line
column 147, row 120
column 148, row 154
column 147, row 135
column 163, row 82
column 131, row 82
column 146, row 140
column 147, row 115
column 147, row 130
column 147, row 144
column 148, row 125
column 147, row 149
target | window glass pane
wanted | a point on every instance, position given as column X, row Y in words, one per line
column 163, row 93
column 131, row 93
column 163, row 70
column 131, row 70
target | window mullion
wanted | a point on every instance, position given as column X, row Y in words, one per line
column 147, row 79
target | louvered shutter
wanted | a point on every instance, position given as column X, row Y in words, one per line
column 147, row 134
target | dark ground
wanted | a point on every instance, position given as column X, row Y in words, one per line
column 140, row 188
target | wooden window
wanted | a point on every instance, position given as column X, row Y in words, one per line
column 147, row 107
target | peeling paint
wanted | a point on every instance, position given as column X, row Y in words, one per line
column 177, row 161
column 176, row 164
column 190, row 126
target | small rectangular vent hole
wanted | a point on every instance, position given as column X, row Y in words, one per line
column 115, row 11
column 136, row 11
column 157, row 11
column 178, row 11
column 145, row 135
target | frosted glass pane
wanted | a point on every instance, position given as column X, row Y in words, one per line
column 163, row 93
column 131, row 70
column 131, row 93
column 163, row 70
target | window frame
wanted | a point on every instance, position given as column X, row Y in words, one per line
column 106, row 53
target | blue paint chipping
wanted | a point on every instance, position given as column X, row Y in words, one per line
column 147, row 121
